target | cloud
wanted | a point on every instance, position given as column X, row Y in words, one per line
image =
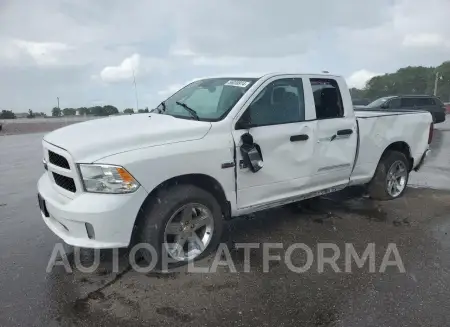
column 124, row 71
column 267, row 28
column 43, row 53
column 359, row 78
column 171, row 89
column 218, row 61
column 64, row 43
column 180, row 51
column 425, row 40
column 415, row 34
column 16, row 51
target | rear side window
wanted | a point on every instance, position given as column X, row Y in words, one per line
column 439, row 102
column 421, row 102
column 408, row 102
column 327, row 98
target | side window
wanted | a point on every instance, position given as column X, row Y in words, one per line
column 423, row 102
column 408, row 102
column 438, row 102
column 394, row 103
column 280, row 102
column 327, row 98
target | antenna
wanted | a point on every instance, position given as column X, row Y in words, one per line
column 135, row 91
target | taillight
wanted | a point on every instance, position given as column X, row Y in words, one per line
column 430, row 133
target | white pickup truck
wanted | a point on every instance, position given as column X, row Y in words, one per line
column 220, row 148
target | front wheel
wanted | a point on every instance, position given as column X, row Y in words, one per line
column 391, row 177
column 183, row 223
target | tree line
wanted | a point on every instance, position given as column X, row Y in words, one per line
column 93, row 111
column 9, row 114
column 408, row 80
column 82, row 111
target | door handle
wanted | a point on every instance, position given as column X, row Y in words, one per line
column 344, row 132
column 300, row 137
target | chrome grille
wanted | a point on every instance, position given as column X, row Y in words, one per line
column 65, row 182
column 58, row 160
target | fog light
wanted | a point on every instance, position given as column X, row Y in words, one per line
column 90, row 231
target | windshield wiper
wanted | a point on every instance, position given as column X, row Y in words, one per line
column 188, row 109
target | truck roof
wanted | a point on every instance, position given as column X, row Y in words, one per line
column 309, row 74
column 268, row 75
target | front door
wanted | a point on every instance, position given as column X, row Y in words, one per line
column 286, row 141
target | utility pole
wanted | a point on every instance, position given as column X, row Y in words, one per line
column 135, row 91
column 436, row 83
column 57, row 98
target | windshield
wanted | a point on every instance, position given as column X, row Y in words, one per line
column 378, row 102
column 211, row 98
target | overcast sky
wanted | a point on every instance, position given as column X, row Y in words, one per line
column 85, row 51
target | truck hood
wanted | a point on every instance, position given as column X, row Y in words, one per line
column 98, row 138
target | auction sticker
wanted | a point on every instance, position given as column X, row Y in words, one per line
column 237, row 83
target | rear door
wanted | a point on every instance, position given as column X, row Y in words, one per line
column 285, row 132
column 335, row 150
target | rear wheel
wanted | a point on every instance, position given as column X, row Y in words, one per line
column 183, row 223
column 391, row 177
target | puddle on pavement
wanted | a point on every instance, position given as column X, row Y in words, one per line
column 220, row 287
column 440, row 230
column 165, row 276
column 324, row 318
column 175, row 314
column 350, row 202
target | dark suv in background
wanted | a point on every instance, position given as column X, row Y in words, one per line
column 411, row 102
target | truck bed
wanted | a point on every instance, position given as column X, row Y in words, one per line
column 378, row 129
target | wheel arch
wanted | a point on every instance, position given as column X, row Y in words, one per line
column 402, row 147
column 203, row 181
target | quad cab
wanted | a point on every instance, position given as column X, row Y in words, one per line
column 216, row 149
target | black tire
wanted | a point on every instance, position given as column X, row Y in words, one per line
column 157, row 212
column 378, row 185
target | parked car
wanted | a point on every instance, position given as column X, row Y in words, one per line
column 216, row 149
column 360, row 102
column 447, row 107
column 428, row 103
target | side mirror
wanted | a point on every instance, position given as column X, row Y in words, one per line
column 251, row 153
column 384, row 105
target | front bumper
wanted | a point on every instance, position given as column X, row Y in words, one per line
column 111, row 216
column 422, row 160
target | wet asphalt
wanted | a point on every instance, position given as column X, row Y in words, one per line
column 418, row 224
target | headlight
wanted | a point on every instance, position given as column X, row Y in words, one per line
column 107, row 179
